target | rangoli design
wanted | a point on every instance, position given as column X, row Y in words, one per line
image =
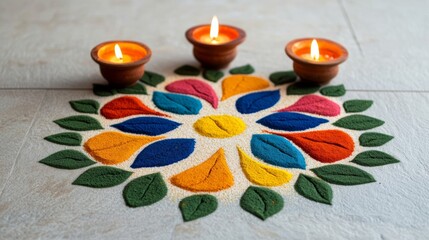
column 305, row 139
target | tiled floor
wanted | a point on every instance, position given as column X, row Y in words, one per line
column 44, row 47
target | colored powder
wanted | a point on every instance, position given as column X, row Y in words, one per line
column 219, row 126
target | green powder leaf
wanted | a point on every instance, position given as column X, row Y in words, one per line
column 213, row 75
column 85, row 106
column 343, row 174
column 103, row 90
column 283, row 77
column 67, row 159
column 353, row 106
column 187, row 70
column 374, row 158
column 358, row 122
column 79, row 123
column 373, row 139
column 65, row 138
column 102, row 177
column 333, row 91
column 261, row 202
column 302, row 88
column 197, row 206
column 314, row 189
column 145, row 190
column 246, row 69
column 135, row 89
column 152, row 79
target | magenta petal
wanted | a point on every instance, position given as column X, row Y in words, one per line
column 196, row 88
column 314, row 104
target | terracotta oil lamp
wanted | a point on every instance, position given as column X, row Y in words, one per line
column 121, row 62
column 316, row 60
column 215, row 46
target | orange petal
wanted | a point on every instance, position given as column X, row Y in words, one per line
column 237, row 84
column 126, row 106
column 113, row 147
column 326, row 146
column 210, row 176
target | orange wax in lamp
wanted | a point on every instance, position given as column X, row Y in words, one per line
column 121, row 62
column 214, row 44
column 316, row 60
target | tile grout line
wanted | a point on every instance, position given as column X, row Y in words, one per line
column 23, row 143
column 90, row 89
column 349, row 23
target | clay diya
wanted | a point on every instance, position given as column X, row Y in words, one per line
column 215, row 46
column 121, row 62
column 316, row 60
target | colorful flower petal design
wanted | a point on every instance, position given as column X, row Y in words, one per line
column 164, row 152
column 255, row 102
column 277, row 151
column 314, row 104
column 210, row 176
column 151, row 126
column 289, row 121
column 114, row 147
column 262, row 174
column 238, row 84
column 196, row 88
column 126, row 106
column 326, row 146
column 177, row 103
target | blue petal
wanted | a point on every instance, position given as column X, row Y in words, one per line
column 177, row 103
column 256, row 102
column 277, row 151
column 164, row 152
column 289, row 121
column 151, row 126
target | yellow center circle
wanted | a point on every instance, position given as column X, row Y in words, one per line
column 219, row 126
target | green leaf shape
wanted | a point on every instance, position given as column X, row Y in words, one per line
column 358, row 122
column 102, row 177
column 246, row 69
column 353, row 106
column 302, row 88
column 79, row 123
column 373, row 139
column 145, row 190
column 103, row 90
column 261, row 202
column 279, row 78
column 187, row 70
column 343, row 174
column 314, row 189
column 374, row 158
column 65, row 138
column 67, row 159
column 85, row 106
column 152, row 78
column 213, row 75
column 197, row 206
column 333, row 91
column 106, row 90
column 135, row 89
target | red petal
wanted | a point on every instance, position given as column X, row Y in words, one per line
column 314, row 104
column 196, row 88
column 325, row 146
column 126, row 106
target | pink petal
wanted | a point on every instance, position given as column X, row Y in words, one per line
column 196, row 88
column 314, row 104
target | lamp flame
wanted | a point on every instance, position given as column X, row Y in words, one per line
column 118, row 52
column 314, row 50
column 214, row 28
